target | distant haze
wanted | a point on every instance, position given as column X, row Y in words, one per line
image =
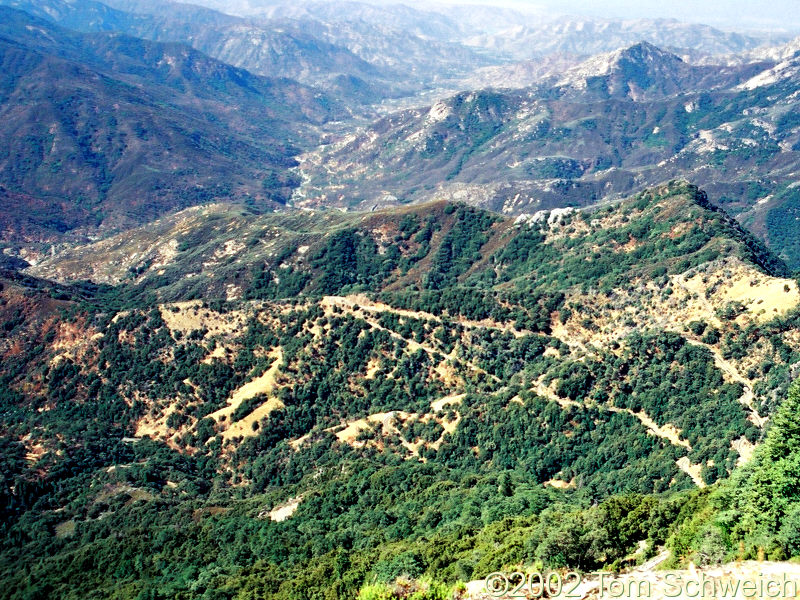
column 780, row 15
column 739, row 15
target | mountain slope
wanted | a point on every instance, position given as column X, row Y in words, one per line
column 488, row 367
column 271, row 49
column 114, row 130
column 189, row 76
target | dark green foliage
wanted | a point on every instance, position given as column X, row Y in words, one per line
column 782, row 223
column 662, row 375
column 460, row 247
column 266, row 284
column 556, row 168
column 454, row 301
column 467, row 502
column 350, row 262
column 756, row 511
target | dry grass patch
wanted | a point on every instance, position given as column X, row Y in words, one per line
column 260, row 385
column 284, row 511
column 190, row 316
column 65, row 529
column 693, row 471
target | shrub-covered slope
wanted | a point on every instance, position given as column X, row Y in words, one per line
column 293, row 405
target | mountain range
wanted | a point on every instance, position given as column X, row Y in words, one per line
column 358, row 60
column 612, row 125
column 595, row 36
column 106, row 128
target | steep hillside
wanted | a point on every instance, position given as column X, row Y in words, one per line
column 176, row 73
column 357, row 61
column 609, row 274
column 107, row 130
column 435, row 382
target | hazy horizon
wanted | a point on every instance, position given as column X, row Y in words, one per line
column 781, row 15
column 739, row 15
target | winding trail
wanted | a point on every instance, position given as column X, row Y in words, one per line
column 668, row 432
column 733, row 374
column 358, row 302
column 352, row 304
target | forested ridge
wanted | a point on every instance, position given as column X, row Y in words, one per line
column 434, row 391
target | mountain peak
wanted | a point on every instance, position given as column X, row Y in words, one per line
column 631, row 71
column 642, row 53
column 645, row 51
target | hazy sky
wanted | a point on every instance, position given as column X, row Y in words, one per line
column 739, row 14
